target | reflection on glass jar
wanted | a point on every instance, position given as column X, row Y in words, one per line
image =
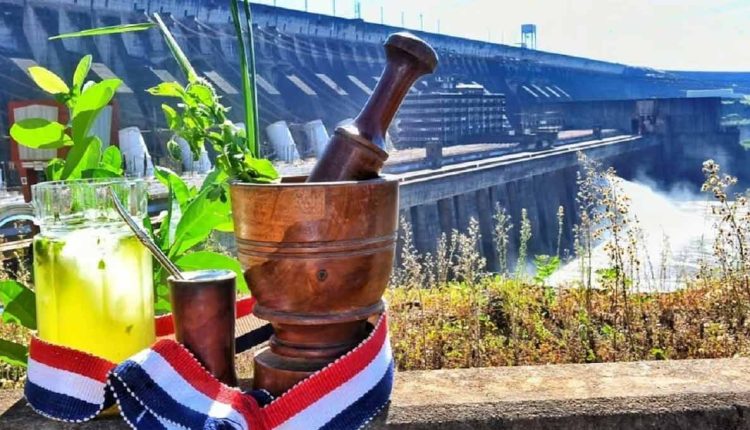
column 93, row 277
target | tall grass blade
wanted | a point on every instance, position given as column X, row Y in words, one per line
column 248, row 92
column 177, row 53
column 115, row 29
column 251, row 64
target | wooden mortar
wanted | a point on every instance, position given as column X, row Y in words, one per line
column 317, row 257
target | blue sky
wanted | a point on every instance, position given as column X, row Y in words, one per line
column 665, row 34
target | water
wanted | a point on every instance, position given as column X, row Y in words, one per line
column 675, row 237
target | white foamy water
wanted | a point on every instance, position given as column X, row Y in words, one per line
column 676, row 234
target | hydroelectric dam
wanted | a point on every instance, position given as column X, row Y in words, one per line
column 495, row 125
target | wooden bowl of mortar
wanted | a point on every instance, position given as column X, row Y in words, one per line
column 317, row 257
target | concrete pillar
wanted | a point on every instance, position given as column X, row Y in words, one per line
column 535, row 208
column 514, row 210
column 528, row 200
column 36, row 36
column 447, row 214
column 105, row 45
column 434, row 154
column 426, row 224
column 548, row 189
column 499, row 195
column 133, row 43
column 486, row 227
column 572, row 216
column 466, row 208
column 73, row 44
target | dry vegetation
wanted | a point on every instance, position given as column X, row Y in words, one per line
column 499, row 322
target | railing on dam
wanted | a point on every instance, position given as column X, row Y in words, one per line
column 435, row 202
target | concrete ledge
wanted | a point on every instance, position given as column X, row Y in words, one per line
column 690, row 394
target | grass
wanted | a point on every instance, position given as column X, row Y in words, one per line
column 503, row 322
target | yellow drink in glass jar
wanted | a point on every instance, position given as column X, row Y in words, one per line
column 93, row 278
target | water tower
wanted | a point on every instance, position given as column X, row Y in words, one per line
column 528, row 36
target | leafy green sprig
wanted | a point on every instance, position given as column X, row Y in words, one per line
column 84, row 102
column 19, row 308
column 200, row 118
column 192, row 215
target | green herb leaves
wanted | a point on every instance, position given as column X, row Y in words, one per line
column 115, row 29
column 40, row 133
column 211, row 260
column 260, row 169
column 85, row 159
column 247, row 73
column 201, row 216
column 202, row 119
column 13, row 353
column 19, row 304
column 19, row 308
column 199, row 117
column 112, row 160
column 82, row 70
column 168, row 89
column 87, row 107
column 192, row 215
column 48, row 81
column 193, row 111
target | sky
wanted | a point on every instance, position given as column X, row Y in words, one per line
column 663, row 34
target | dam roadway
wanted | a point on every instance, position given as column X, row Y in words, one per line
column 431, row 185
column 438, row 201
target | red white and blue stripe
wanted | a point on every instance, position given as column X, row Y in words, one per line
column 165, row 387
column 66, row 384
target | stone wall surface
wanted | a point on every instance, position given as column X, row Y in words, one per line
column 688, row 394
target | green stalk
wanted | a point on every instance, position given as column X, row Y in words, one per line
column 115, row 29
column 177, row 53
column 247, row 84
column 253, row 86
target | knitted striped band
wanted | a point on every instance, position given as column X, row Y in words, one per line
column 165, row 387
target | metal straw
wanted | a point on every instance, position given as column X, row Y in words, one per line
column 165, row 262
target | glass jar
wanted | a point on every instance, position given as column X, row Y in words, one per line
column 93, row 278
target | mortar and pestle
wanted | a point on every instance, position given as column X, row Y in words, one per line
column 318, row 251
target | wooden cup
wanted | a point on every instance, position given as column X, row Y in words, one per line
column 204, row 310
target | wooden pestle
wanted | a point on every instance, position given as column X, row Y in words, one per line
column 357, row 151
